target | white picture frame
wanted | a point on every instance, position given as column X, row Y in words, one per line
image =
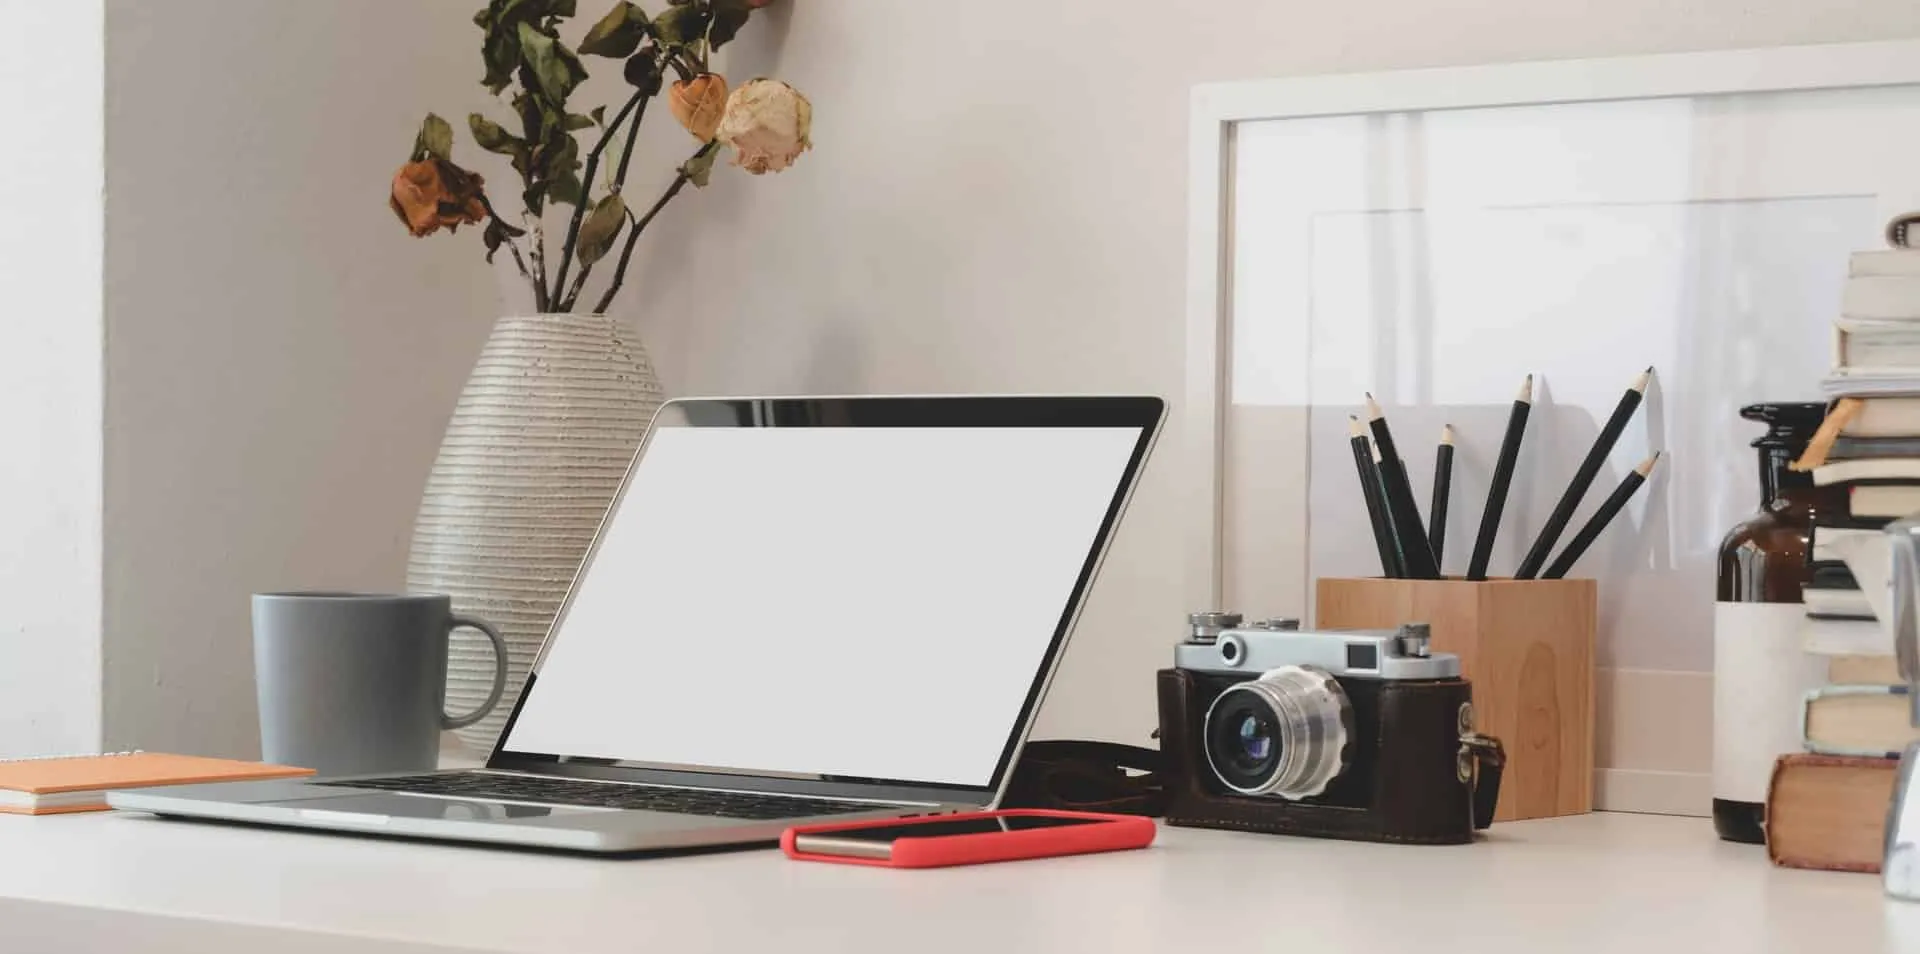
column 1221, row 113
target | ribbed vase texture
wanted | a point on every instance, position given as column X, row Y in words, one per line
column 545, row 428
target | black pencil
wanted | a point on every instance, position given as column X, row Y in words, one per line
column 1502, row 479
column 1582, row 478
column 1370, row 490
column 1394, row 548
column 1401, row 508
column 1598, row 522
column 1442, row 486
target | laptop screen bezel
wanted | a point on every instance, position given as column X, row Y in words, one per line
column 1143, row 414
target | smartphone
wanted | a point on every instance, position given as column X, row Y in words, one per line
column 967, row 839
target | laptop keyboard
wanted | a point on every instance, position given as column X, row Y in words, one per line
column 561, row 791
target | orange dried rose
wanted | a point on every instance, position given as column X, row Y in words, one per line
column 434, row 193
column 699, row 103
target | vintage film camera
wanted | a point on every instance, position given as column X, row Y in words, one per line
column 1361, row 734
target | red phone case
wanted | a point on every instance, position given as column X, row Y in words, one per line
column 1112, row 833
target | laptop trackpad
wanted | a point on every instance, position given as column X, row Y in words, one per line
column 414, row 806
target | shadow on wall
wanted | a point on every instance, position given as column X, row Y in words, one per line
column 757, row 51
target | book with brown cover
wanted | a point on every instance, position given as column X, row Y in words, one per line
column 1829, row 812
column 49, row 786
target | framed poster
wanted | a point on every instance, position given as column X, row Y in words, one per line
column 1433, row 237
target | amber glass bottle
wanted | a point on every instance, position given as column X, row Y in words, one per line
column 1760, row 671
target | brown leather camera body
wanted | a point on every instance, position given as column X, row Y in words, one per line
column 1416, row 772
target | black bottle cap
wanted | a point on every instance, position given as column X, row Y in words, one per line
column 1790, row 425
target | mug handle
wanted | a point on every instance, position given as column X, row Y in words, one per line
column 449, row 721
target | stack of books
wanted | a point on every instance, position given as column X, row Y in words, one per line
column 1871, row 440
column 1876, row 379
column 1827, row 806
column 1869, row 445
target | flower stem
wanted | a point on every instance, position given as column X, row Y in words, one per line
column 626, row 156
column 640, row 225
column 619, row 184
column 540, row 296
column 639, row 101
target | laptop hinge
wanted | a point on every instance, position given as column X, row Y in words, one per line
column 851, row 799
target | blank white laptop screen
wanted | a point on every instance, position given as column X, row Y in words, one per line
column 871, row 602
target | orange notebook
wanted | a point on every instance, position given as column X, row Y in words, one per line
column 52, row 786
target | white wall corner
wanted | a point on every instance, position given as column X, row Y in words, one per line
column 51, row 388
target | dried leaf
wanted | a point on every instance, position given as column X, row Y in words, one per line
column 680, row 25
column 494, row 237
column 554, row 67
column 728, row 17
column 618, row 33
column 562, row 155
column 610, row 164
column 565, row 187
column 435, row 139
column 601, row 227
column 700, row 168
column 493, row 137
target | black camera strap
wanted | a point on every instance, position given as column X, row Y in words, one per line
column 1129, row 780
column 1089, row 777
column 1482, row 758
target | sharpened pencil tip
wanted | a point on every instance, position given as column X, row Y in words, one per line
column 1646, row 466
column 1526, row 391
column 1446, row 434
column 1640, row 383
column 1373, row 408
column 1355, row 428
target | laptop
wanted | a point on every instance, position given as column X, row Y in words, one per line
column 796, row 610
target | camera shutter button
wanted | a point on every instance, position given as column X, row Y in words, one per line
column 1205, row 627
column 1415, row 638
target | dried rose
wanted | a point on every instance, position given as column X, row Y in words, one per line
column 433, row 193
column 767, row 123
column 699, row 103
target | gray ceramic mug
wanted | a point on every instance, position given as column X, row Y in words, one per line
column 351, row 683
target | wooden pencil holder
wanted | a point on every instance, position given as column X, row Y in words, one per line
column 1527, row 646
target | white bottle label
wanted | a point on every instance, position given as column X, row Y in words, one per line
column 1761, row 674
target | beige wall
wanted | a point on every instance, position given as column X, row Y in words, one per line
column 996, row 202
column 280, row 356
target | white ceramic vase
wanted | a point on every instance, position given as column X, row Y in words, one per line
column 546, row 426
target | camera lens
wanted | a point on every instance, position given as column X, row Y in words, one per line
column 1283, row 734
column 1250, row 746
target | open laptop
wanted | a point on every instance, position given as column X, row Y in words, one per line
column 797, row 609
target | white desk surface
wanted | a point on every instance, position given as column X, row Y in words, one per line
column 121, row 883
